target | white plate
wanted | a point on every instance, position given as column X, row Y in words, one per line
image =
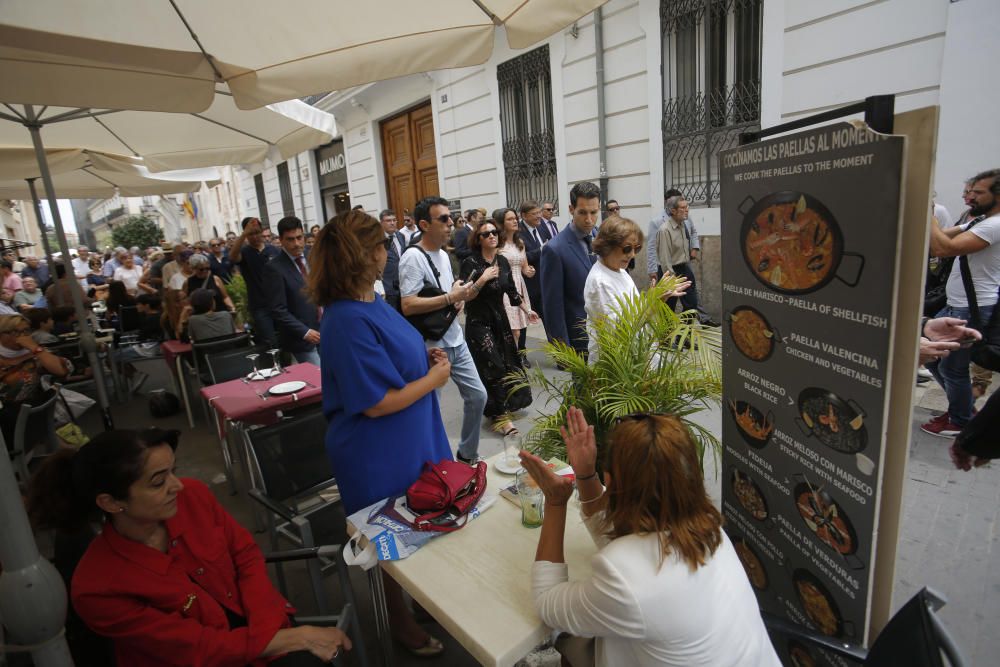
column 262, row 374
column 287, row 388
column 506, row 467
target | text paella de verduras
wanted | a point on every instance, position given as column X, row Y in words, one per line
column 835, row 139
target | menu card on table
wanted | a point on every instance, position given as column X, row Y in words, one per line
column 810, row 225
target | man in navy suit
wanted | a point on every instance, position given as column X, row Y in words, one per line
column 534, row 235
column 390, row 274
column 566, row 261
column 295, row 317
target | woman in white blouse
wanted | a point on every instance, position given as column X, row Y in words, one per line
column 667, row 587
column 617, row 244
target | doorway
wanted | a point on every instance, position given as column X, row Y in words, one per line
column 410, row 160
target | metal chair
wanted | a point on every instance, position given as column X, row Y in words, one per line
column 24, row 446
column 347, row 620
column 198, row 369
column 229, row 365
column 914, row 637
column 291, row 468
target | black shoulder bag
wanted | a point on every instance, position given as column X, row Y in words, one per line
column 986, row 352
column 432, row 325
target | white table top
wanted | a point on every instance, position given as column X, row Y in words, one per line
column 476, row 582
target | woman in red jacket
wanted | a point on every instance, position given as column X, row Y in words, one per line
column 172, row 579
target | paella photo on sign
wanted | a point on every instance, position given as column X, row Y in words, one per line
column 755, row 427
column 792, row 244
column 837, row 423
column 752, row 334
column 749, row 495
column 751, row 563
column 827, row 520
column 818, row 604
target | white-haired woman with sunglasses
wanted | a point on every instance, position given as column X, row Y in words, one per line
column 617, row 244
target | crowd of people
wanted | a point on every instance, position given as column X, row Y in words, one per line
column 376, row 306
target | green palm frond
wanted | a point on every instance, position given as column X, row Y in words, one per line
column 650, row 359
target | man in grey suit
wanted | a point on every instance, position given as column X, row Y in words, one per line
column 390, row 275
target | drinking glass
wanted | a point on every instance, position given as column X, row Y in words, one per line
column 254, row 374
column 511, row 459
column 532, row 500
column 276, row 361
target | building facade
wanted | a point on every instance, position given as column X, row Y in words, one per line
column 679, row 80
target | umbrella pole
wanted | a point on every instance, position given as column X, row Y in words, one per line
column 87, row 342
column 41, row 228
column 32, row 594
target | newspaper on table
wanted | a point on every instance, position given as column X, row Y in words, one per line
column 388, row 527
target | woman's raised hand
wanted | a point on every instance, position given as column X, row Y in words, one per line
column 488, row 275
column 557, row 489
column 581, row 445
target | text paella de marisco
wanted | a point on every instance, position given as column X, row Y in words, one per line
column 835, row 139
column 877, row 321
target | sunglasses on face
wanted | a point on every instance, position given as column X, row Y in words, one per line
column 613, row 210
column 491, row 232
column 629, row 249
column 215, row 245
column 548, row 209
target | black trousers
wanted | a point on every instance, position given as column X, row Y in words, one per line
column 690, row 300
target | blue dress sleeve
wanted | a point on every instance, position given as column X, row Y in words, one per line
column 361, row 366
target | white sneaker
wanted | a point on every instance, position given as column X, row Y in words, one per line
column 924, row 373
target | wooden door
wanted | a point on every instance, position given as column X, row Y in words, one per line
column 408, row 153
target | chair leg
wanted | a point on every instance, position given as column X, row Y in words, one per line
column 182, row 381
column 313, row 566
column 279, row 569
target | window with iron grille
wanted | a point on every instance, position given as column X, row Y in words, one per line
column 529, row 150
column 711, row 88
column 258, row 183
column 285, row 188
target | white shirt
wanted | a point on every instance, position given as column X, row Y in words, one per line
column 177, row 281
column 943, row 216
column 415, row 273
column 129, row 277
column 80, row 268
column 645, row 615
column 407, row 233
column 983, row 265
column 601, row 294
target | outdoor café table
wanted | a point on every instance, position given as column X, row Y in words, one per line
column 238, row 404
column 476, row 582
column 173, row 353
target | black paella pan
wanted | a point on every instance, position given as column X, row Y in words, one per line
column 837, row 423
column 798, row 253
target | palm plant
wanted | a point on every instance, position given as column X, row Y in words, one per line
column 650, row 359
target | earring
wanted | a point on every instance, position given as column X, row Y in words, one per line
column 121, row 509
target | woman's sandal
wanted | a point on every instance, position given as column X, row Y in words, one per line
column 431, row 648
column 506, row 427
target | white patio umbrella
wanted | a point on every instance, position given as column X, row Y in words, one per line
column 220, row 135
column 93, row 175
column 90, row 175
column 168, row 55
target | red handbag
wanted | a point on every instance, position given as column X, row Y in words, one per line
column 446, row 487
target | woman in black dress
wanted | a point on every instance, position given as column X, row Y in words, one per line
column 487, row 329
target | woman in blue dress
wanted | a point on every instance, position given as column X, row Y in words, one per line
column 378, row 386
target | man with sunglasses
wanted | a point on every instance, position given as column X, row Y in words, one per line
column 427, row 264
column 549, row 221
column 219, row 261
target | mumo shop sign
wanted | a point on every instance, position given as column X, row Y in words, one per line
column 331, row 164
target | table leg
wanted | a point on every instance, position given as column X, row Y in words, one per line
column 116, row 379
column 225, row 442
column 381, row 610
column 179, row 368
column 245, row 453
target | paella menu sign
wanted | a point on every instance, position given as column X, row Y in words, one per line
column 809, row 236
